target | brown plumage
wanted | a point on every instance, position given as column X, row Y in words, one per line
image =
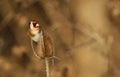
column 42, row 43
column 30, row 34
column 44, row 47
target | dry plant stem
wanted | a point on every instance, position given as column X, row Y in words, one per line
column 46, row 60
column 47, row 66
column 34, row 50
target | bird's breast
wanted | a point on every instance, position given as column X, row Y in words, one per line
column 37, row 37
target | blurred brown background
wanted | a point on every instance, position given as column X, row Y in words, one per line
column 85, row 35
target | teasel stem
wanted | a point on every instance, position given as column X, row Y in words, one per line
column 46, row 61
column 47, row 66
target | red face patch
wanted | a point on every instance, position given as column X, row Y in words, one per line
column 34, row 24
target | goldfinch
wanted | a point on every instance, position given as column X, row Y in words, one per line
column 41, row 43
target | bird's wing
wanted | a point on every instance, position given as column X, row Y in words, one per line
column 44, row 47
column 48, row 46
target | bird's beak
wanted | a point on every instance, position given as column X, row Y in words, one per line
column 37, row 25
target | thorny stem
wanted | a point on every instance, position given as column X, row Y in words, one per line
column 47, row 66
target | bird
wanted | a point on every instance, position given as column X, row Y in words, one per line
column 42, row 44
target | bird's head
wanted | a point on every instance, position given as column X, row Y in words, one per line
column 34, row 26
column 35, row 30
